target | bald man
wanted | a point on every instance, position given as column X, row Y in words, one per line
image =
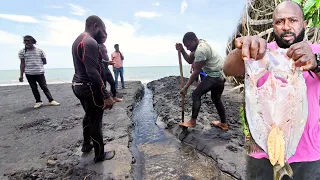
column 289, row 29
column 88, row 86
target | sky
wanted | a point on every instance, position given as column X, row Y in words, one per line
column 146, row 30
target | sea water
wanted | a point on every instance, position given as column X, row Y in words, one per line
column 65, row 75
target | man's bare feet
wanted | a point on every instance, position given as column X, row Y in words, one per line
column 223, row 126
column 191, row 123
column 117, row 99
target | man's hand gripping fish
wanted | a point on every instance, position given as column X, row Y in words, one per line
column 276, row 107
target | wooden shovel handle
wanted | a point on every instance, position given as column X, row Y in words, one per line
column 181, row 85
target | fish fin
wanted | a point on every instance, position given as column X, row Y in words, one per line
column 272, row 145
column 279, row 172
column 251, row 146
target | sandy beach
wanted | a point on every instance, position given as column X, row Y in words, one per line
column 226, row 148
column 45, row 143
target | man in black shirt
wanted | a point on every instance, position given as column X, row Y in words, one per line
column 88, row 86
column 107, row 74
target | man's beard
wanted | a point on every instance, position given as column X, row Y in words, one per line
column 98, row 37
column 285, row 44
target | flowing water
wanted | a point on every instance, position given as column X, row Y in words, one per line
column 160, row 155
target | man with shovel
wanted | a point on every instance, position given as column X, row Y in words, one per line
column 208, row 60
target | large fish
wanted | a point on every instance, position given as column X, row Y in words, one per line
column 276, row 107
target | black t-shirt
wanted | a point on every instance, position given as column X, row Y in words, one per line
column 88, row 63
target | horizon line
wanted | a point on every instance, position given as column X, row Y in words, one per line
column 73, row 67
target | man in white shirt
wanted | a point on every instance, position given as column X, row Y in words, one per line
column 32, row 61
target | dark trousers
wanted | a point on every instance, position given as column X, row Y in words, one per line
column 33, row 79
column 92, row 121
column 261, row 169
column 216, row 86
column 110, row 80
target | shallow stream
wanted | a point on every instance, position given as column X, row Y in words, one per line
column 160, row 155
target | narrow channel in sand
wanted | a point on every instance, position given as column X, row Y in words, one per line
column 160, row 155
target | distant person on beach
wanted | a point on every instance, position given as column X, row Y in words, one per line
column 88, row 86
column 208, row 60
column 289, row 29
column 117, row 57
column 32, row 60
column 107, row 74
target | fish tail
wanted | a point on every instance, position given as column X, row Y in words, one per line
column 279, row 172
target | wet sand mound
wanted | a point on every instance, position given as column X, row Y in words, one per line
column 46, row 143
column 226, row 148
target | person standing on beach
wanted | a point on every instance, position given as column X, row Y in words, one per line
column 32, row 60
column 88, row 86
column 205, row 58
column 117, row 58
column 107, row 74
column 289, row 29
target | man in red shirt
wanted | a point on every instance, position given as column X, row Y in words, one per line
column 107, row 74
column 117, row 58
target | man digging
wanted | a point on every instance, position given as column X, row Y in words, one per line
column 206, row 59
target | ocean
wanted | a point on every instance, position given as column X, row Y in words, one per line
column 64, row 75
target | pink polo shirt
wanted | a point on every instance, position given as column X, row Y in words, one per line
column 309, row 145
column 117, row 59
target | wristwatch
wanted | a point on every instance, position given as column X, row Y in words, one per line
column 317, row 69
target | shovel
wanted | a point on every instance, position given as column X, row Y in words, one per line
column 181, row 86
column 181, row 132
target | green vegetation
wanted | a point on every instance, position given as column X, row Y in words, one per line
column 311, row 9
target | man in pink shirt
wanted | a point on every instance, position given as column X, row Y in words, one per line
column 117, row 58
column 289, row 29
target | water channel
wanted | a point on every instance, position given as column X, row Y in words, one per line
column 160, row 155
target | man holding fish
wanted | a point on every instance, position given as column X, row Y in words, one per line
column 289, row 30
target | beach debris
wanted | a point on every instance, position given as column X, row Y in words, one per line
column 51, row 162
column 86, row 176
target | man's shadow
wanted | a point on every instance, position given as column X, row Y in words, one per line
column 30, row 109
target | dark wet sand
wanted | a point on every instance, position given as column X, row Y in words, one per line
column 45, row 142
column 226, row 148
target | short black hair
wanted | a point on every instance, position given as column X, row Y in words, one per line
column 189, row 36
column 30, row 37
column 116, row 45
column 93, row 19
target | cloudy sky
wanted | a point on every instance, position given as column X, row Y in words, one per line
column 146, row 30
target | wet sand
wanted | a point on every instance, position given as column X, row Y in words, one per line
column 45, row 143
column 162, row 156
column 226, row 148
